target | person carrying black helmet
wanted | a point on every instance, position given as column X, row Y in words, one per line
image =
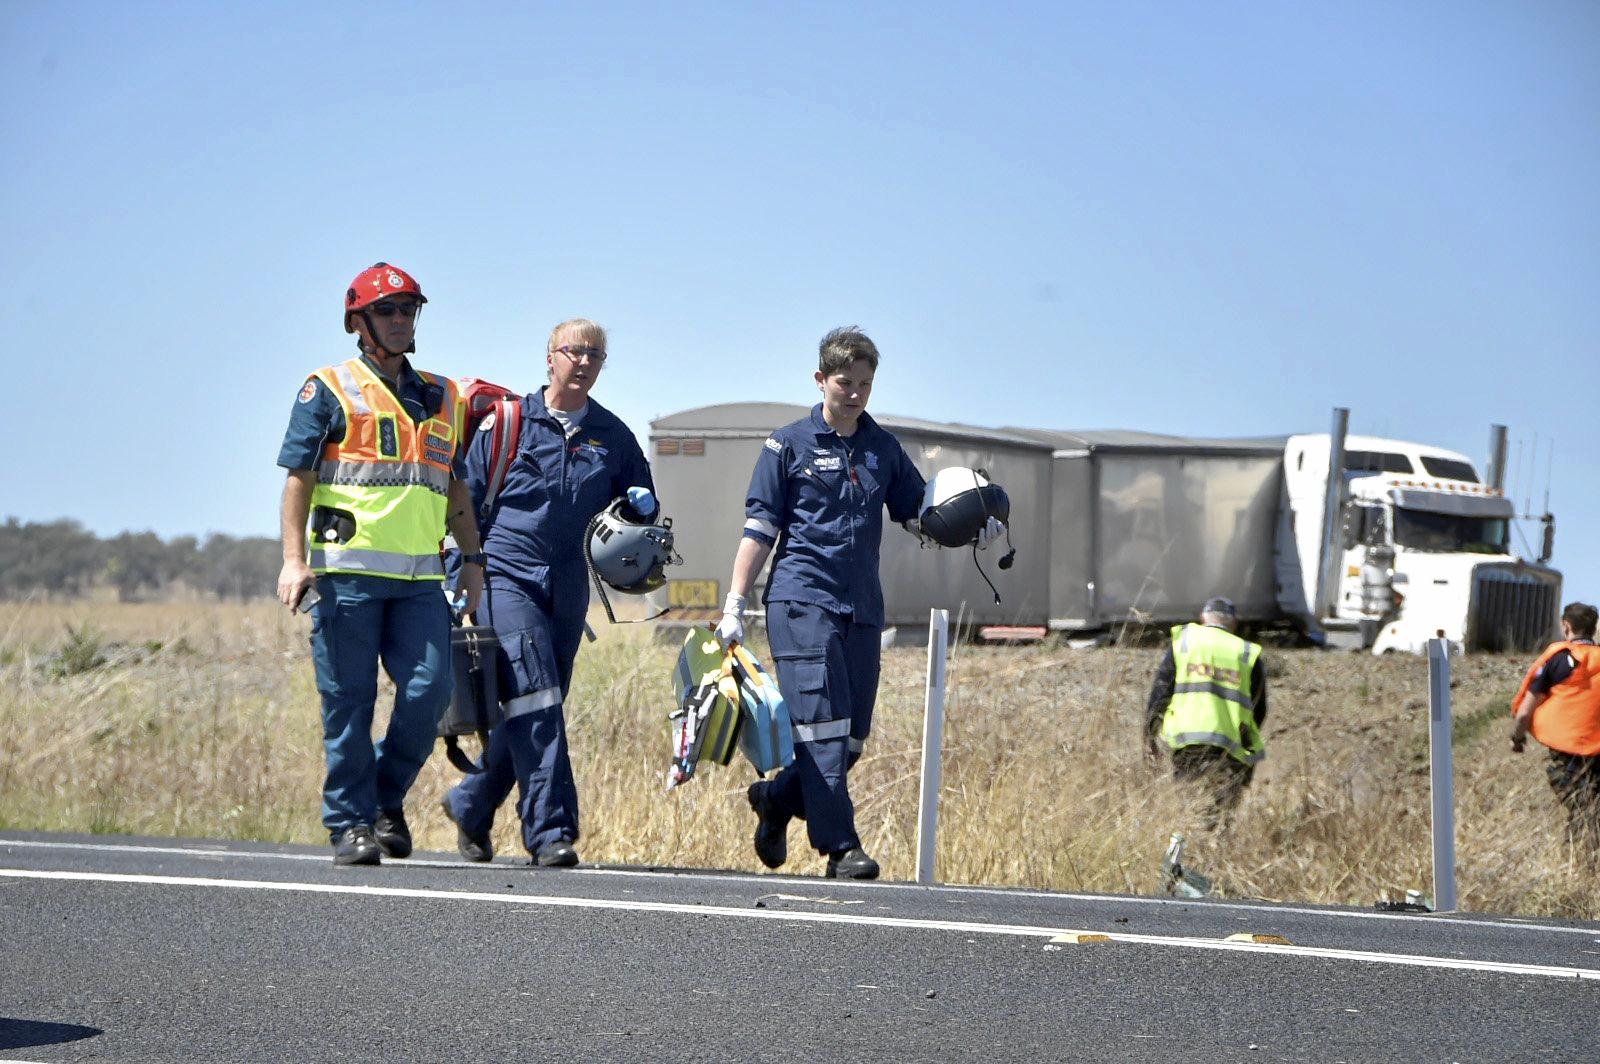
column 817, row 495
column 574, row 459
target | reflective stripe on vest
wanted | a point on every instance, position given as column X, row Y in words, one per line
column 389, row 474
column 1569, row 719
column 335, row 559
column 386, row 475
column 1211, row 700
column 1214, row 689
column 349, row 390
column 1227, row 742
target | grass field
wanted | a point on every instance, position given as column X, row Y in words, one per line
column 202, row 721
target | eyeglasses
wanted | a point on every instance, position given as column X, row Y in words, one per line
column 580, row 351
column 388, row 309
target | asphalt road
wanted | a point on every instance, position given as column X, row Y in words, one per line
column 160, row 949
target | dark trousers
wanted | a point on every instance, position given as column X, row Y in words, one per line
column 1218, row 774
column 362, row 621
column 1576, row 780
column 539, row 635
column 828, row 672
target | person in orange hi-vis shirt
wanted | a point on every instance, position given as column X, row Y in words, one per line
column 1559, row 704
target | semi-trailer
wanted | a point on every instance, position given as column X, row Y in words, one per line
column 1120, row 527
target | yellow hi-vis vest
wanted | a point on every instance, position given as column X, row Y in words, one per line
column 379, row 504
column 1211, row 697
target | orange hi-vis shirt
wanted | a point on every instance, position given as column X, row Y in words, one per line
column 1569, row 720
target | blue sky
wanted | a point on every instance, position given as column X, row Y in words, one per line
column 1218, row 219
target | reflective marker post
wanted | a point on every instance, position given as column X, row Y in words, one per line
column 932, row 745
column 1441, row 775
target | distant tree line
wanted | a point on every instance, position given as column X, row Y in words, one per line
column 63, row 558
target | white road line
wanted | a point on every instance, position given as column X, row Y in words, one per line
column 201, row 851
column 1462, row 919
column 858, row 919
column 737, row 877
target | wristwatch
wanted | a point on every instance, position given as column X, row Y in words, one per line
column 475, row 559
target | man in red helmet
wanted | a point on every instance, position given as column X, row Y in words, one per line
column 375, row 464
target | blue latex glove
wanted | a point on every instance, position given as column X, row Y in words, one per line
column 643, row 502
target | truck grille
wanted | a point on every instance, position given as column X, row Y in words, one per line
column 1513, row 609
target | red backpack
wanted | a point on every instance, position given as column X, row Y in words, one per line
column 474, row 708
column 500, row 409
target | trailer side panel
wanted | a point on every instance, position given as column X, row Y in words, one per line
column 1175, row 529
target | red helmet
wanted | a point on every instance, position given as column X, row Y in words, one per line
column 379, row 282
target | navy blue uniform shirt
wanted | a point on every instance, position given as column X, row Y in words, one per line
column 552, row 489
column 318, row 418
column 820, row 498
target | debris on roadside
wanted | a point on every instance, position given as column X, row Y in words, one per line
column 1177, row 880
column 1416, row 902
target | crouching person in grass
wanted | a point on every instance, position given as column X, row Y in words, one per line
column 1559, row 705
column 1207, row 705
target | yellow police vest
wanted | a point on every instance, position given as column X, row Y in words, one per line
column 1211, row 698
column 379, row 504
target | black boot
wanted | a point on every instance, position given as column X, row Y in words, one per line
column 356, row 846
column 852, row 864
column 394, row 838
column 772, row 828
column 475, row 849
column 558, row 854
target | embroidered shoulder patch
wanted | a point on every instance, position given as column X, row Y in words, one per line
column 308, row 391
column 773, row 445
column 487, row 422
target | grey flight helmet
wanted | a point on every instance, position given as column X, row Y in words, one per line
column 626, row 553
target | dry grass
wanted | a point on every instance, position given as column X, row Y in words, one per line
column 216, row 734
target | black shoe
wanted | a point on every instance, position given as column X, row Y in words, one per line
column 558, row 854
column 772, row 829
column 852, row 864
column 394, row 838
column 356, row 846
column 477, row 850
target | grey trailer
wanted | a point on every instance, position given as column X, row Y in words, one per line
column 1145, row 527
column 702, row 460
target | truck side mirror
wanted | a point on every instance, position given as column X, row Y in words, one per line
column 1547, row 546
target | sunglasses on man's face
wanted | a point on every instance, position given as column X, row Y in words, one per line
column 582, row 351
column 388, row 310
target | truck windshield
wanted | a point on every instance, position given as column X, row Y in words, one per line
column 1449, row 467
column 1451, row 533
column 1371, row 463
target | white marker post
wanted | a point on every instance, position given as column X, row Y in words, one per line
column 932, row 745
column 1441, row 775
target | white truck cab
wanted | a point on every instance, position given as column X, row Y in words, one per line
column 1424, row 547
